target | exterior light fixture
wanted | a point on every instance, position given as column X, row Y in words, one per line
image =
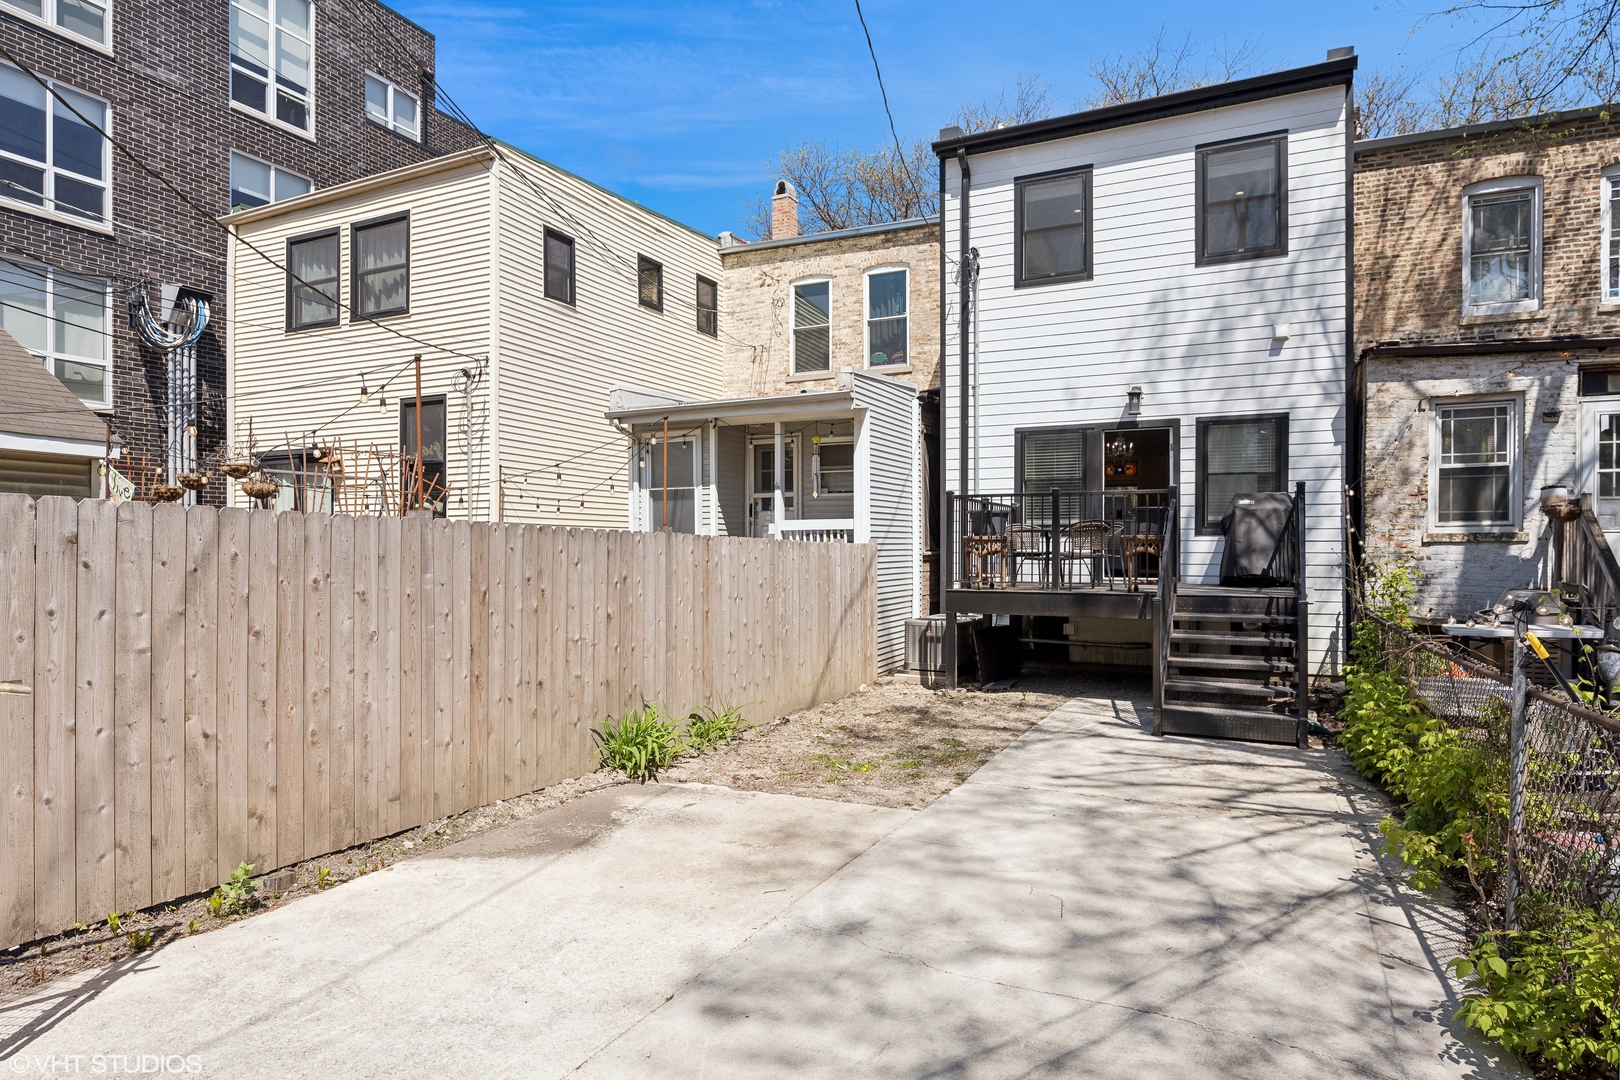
column 382, row 403
column 1133, row 401
column 365, row 395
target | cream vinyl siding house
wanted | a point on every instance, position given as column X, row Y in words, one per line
column 521, row 375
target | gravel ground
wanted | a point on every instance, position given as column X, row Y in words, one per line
column 894, row 743
column 891, row 744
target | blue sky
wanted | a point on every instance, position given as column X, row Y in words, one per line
column 683, row 106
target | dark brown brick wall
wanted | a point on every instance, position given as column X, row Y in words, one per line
column 168, row 83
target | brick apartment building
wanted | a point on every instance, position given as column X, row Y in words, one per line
column 1487, row 325
column 234, row 103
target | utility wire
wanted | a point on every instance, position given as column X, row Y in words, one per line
column 905, row 166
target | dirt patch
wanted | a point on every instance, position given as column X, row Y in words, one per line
column 24, row 968
column 891, row 744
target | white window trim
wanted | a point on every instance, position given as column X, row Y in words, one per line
column 106, row 224
column 793, row 332
column 1610, row 178
column 650, row 504
column 1496, row 187
column 269, row 115
column 50, row 356
column 274, row 168
column 1515, row 403
column 104, row 46
column 392, row 125
column 866, row 317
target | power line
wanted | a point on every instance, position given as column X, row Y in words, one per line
column 899, row 153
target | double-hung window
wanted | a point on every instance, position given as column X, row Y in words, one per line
column 87, row 19
column 559, row 267
column 51, row 158
column 394, row 108
column 708, row 307
column 1236, row 456
column 1473, row 460
column 649, row 283
column 63, row 320
column 1611, row 239
column 255, row 182
column 673, row 503
column 381, row 262
column 1053, row 230
column 272, row 59
column 887, row 318
column 812, row 327
column 1502, row 246
column 1242, row 201
column 312, row 280
column 435, row 487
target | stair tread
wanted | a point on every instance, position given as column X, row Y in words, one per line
column 1234, row 712
column 1234, row 687
column 1237, row 617
column 1230, row 637
column 1231, row 663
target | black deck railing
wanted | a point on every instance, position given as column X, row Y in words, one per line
column 1060, row 539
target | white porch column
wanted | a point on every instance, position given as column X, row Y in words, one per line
column 778, row 504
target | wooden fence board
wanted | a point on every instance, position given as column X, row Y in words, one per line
column 17, row 568
column 132, row 674
column 56, row 577
column 462, row 597
column 263, row 711
column 202, row 698
column 478, row 692
column 495, row 648
column 168, row 755
column 317, row 726
column 512, row 680
column 411, row 618
column 529, row 651
column 390, row 541
column 235, row 694
column 441, row 772
column 367, row 676
column 341, row 716
column 94, row 750
column 290, row 592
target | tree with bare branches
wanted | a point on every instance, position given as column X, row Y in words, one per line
column 1558, row 52
column 1165, row 66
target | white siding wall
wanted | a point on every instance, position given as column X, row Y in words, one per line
column 1198, row 340
column 289, row 384
column 558, row 360
column 887, row 467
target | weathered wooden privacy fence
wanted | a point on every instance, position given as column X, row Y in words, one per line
column 213, row 687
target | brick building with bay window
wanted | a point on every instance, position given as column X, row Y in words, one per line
column 232, row 102
column 1488, row 341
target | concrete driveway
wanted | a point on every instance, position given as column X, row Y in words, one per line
column 1093, row 902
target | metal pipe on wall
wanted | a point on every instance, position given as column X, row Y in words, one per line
column 963, row 299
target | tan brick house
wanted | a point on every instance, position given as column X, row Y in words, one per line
column 1487, row 323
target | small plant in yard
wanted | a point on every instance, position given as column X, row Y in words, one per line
column 641, row 745
column 112, row 921
column 708, row 727
column 322, row 877
column 139, row 940
column 236, row 895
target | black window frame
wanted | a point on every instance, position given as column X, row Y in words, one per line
column 548, row 236
column 407, row 435
column 1201, row 462
column 1278, row 250
column 643, row 264
column 712, row 311
column 1020, row 183
column 293, row 282
column 355, row 273
column 1089, row 435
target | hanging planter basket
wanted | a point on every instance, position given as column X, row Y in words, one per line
column 236, row 469
column 259, row 488
column 193, row 481
column 168, row 493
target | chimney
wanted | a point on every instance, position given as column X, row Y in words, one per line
column 784, row 211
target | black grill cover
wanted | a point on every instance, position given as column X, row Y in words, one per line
column 1259, row 540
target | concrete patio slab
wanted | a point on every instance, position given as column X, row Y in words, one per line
column 1092, row 902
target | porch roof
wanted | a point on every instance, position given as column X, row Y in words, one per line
column 788, row 408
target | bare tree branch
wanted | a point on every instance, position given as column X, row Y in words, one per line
column 1165, row 65
column 1031, row 99
column 1563, row 52
column 1385, row 104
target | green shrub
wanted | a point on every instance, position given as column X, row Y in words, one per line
column 708, row 727
column 641, row 745
column 1552, row 993
column 235, row 897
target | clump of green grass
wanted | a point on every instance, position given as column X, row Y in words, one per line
column 641, row 744
column 707, row 727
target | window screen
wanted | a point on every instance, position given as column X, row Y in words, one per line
column 312, row 281
column 1054, row 224
column 1474, row 469
column 1237, row 457
column 1242, row 204
column 382, row 268
column 559, row 267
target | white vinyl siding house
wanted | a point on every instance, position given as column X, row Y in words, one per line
column 450, row 254
column 1161, row 316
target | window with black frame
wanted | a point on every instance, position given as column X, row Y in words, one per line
column 649, row 283
column 382, row 268
column 312, row 281
column 1047, row 460
column 708, row 307
column 434, row 487
column 1238, row 456
column 1243, row 201
column 559, row 267
column 1054, row 228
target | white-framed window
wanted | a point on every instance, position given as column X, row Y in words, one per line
column 87, row 19
column 1474, row 464
column 255, row 182
column 65, row 320
column 393, row 107
column 812, row 326
column 678, row 502
column 1611, row 241
column 1501, row 259
column 50, row 159
column 273, row 60
column 888, row 316
column 832, row 468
